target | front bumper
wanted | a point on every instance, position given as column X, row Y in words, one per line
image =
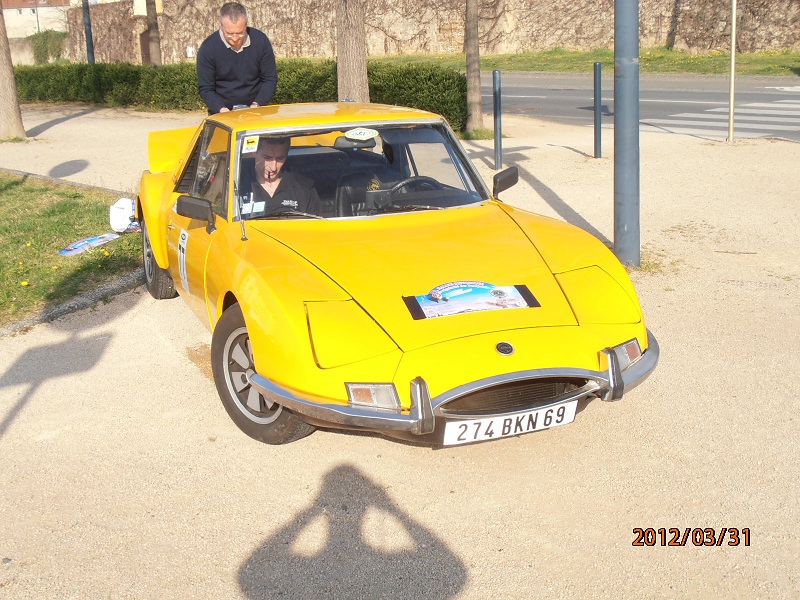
column 421, row 421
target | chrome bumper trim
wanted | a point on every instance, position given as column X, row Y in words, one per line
column 419, row 422
column 611, row 385
column 621, row 382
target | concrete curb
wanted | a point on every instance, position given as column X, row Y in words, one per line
column 59, row 181
column 112, row 288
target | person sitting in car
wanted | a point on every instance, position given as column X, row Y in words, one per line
column 276, row 188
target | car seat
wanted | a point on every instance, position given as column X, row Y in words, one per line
column 351, row 193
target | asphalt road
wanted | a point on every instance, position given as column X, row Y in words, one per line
column 764, row 106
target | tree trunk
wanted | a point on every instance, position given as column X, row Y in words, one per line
column 153, row 33
column 10, row 115
column 475, row 112
column 351, row 51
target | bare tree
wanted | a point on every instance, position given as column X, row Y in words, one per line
column 153, row 34
column 10, row 115
column 351, row 51
column 672, row 34
column 475, row 114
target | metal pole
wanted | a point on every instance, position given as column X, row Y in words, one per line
column 87, row 28
column 598, row 107
column 626, row 132
column 733, row 71
column 498, row 129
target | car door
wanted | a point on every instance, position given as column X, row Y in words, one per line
column 188, row 240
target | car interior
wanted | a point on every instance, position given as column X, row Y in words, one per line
column 355, row 177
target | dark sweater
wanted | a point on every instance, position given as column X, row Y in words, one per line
column 226, row 77
column 294, row 192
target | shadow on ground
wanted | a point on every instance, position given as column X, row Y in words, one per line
column 80, row 352
column 70, row 167
column 42, row 127
column 353, row 541
column 514, row 156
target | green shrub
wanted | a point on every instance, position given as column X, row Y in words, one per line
column 169, row 87
column 48, row 45
column 302, row 80
column 424, row 86
column 121, row 84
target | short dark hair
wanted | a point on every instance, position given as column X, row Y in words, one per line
column 233, row 10
column 275, row 141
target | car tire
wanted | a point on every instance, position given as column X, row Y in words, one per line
column 255, row 415
column 158, row 281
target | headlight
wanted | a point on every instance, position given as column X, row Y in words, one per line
column 342, row 333
column 375, row 396
column 596, row 297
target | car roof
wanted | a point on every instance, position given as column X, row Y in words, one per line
column 318, row 113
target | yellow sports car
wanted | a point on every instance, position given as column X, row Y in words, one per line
column 356, row 273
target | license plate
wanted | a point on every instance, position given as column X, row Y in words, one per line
column 463, row 432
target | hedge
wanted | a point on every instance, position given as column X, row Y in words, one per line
column 428, row 87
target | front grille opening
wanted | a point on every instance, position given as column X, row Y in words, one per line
column 515, row 395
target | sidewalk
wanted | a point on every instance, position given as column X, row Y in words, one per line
column 122, row 476
column 103, row 147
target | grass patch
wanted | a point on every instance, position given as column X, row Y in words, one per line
column 651, row 60
column 654, row 262
column 478, row 134
column 39, row 218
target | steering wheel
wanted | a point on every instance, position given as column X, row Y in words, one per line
column 421, row 182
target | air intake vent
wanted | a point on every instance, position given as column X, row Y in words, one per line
column 513, row 396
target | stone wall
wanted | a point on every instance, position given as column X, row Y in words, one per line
column 306, row 28
column 761, row 25
column 21, row 51
column 115, row 33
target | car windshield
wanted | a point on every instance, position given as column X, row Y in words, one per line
column 354, row 171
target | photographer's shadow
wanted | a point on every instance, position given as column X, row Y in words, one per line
column 352, row 542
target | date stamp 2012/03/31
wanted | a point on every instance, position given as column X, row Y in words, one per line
column 696, row 536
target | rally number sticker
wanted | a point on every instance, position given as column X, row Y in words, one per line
column 184, row 239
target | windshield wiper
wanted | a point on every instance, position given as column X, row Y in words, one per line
column 411, row 207
column 289, row 213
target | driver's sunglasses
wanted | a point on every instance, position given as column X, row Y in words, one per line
column 234, row 36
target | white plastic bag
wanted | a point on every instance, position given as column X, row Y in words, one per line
column 121, row 214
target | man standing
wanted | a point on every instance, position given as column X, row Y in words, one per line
column 235, row 65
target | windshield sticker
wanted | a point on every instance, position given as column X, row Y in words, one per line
column 250, row 144
column 361, row 134
column 468, row 296
column 182, row 242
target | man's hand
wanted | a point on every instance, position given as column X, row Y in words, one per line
column 224, row 109
column 254, row 105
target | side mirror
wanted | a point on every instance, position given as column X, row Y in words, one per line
column 504, row 180
column 196, row 208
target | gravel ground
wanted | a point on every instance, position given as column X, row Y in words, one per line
column 121, row 475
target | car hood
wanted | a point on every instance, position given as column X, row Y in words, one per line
column 390, row 265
